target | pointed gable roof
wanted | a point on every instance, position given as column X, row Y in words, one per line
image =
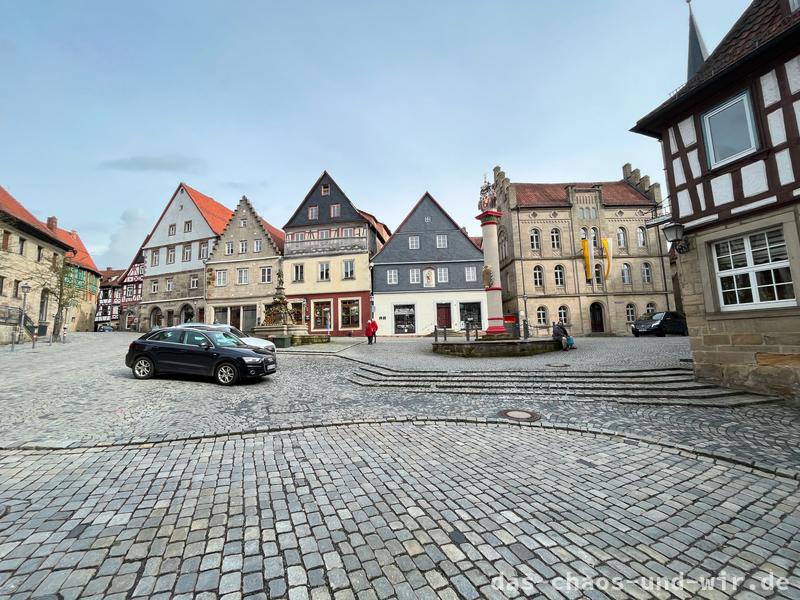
column 428, row 198
column 348, row 212
column 17, row 212
column 215, row 214
column 276, row 234
column 273, row 233
column 614, row 193
column 82, row 258
column 763, row 25
column 137, row 258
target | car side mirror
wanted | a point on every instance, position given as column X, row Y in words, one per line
column 205, row 345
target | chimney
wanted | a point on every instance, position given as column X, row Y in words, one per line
column 634, row 178
column 52, row 223
column 644, row 184
column 626, row 170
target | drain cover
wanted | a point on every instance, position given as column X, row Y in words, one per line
column 519, row 415
column 557, row 365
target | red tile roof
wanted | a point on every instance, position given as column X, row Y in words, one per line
column 614, row 193
column 477, row 240
column 277, row 234
column 383, row 231
column 12, row 207
column 111, row 276
column 82, row 258
column 761, row 23
column 215, row 214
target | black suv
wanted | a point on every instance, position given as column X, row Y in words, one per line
column 660, row 324
column 193, row 352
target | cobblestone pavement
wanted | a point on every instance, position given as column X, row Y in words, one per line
column 309, row 506
column 391, row 511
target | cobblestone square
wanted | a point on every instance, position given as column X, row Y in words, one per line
column 385, row 472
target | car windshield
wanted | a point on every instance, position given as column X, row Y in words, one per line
column 653, row 316
column 224, row 339
column 238, row 333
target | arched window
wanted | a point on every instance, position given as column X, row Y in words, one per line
column 595, row 237
column 584, row 233
column 563, row 314
column 622, row 238
column 541, row 315
column 641, row 237
column 626, row 274
column 536, row 240
column 651, row 308
column 503, row 247
column 598, row 274
column 630, row 313
column 538, row 276
column 647, row 273
column 555, row 238
column 559, row 275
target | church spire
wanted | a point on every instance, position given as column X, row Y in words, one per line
column 697, row 48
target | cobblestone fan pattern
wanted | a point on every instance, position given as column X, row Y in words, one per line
column 48, row 402
column 380, row 511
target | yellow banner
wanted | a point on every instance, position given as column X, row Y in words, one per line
column 587, row 258
column 607, row 252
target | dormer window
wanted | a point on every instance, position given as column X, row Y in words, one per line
column 326, row 189
column 730, row 131
column 313, row 213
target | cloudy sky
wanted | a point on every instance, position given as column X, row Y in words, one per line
column 106, row 106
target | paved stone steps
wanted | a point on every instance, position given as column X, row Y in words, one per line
column 665, row 387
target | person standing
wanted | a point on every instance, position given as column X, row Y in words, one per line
column 373, row 331
column 370, row 330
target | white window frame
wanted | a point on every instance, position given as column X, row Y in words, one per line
column 155, row 257
column 630, row 315
column 171, row 255
column 242, row 276
column 298, row 269
column 313, row 213
column 348, row 265
column 168, row 286
column 555, row 238
column 326, row 266
column 336, row 210
column 204, row 250
column 647, row 273
column 256, row 246
column 541, row 316
column 228, row 248
column 221, row 278
column 325, row 190
column 172, row 229
column 563, row 280
column 641, row 237
column 392, row 277
column 414, row 276
column 154, row 286
column 442, row 274
column 242, row 223
column 751, row 269
column 626, row 280
column 186, row 253
column 441, row 240
column 242, row 246
column 266, row 274
column 194, row 280
column 751, row 129
column 565, row 317
column 538, row 276
column 471, row 273
column 536, row 240
column 187, row 226
column 413, row 242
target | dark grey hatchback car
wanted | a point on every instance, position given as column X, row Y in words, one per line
column 660, row 324
column 187, row 351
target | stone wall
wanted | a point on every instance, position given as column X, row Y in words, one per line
column 758, row 350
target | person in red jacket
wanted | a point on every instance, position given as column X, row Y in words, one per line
column 370, row 331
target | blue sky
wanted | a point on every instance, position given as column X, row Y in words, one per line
column 106, row 106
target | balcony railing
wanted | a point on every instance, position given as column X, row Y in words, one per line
column 660, row 214
column 327, row 246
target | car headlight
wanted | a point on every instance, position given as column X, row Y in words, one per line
column 252, row 360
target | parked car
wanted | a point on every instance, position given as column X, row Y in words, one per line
column 190, row 351
column 247, row 339
column 105, row 327
column 660, row 324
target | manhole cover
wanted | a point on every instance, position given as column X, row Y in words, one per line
column 520, row 415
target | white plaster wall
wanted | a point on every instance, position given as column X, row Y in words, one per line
column 425, row 308
column 793, row 74
column 784, row 163
column 677, row 171
column 722, row 189
column 754, row 178
column 694, row 164
column 684, row 203
column 688, row 134
column 673, row 144
column 701, row 196
column 777, row 127
column 769, row 88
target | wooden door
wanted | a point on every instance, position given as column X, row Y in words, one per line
column 596, row 317
column 443, row 316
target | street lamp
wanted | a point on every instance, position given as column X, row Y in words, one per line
column 25, row 288
column 526, row 325
column 674, row 233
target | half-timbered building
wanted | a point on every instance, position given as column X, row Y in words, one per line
column 729, row 139
column 109, row 298
column 132, row 282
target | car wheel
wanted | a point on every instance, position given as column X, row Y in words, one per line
column 226, row 374
column 661, row 333
column 143, row 368
column 635, row 334
column 685, row 332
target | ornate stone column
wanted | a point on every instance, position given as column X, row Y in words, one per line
column 489, row 218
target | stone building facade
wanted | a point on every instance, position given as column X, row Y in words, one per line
column 174, row 280
column 543, row 271
column 29, row 251
column 731, row 145
column 242, row 271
